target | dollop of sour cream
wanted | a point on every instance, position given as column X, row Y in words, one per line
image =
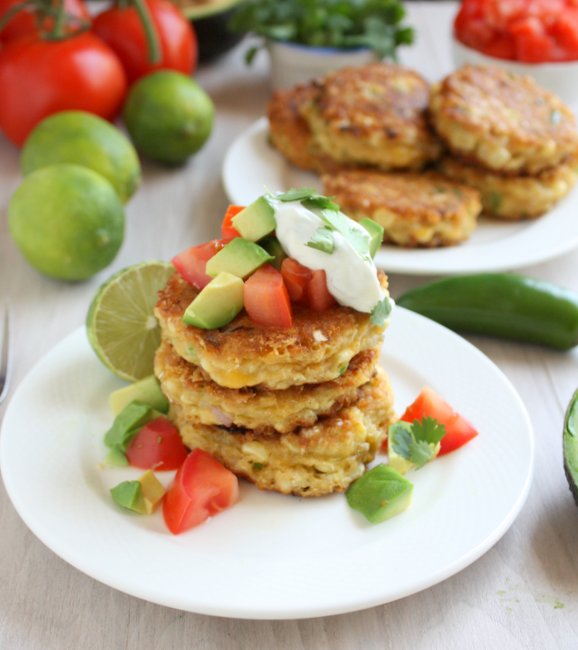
column 351, row 279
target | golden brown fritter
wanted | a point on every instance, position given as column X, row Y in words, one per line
column 257, row 408
column 289, row 132
column 502, row 121
column 416, row 210
column 514, row 197
column 311, row 461
column 314, row 349
column 374, row 115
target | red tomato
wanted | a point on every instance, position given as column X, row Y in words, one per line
column 39, row 78
column 266, row 299
column 25, row 22
column 318, row 296
column 228, row 231
column 296, row 277
column 429, row 404
column 532, row 32
column 191, row 263
column 158, row 445
column 202, row 487
column 122, row 29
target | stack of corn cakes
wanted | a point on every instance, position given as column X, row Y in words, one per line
column 299, row 410
column 507, row 137
column 366, row 130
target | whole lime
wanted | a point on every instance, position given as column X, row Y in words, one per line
column 67, row 221
column 169, row 116
column 84, row 139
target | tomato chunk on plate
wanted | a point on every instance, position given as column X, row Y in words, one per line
column 228, row 231
column 202, row 488
column 266, row 298
column 157, row 446
column 296, row 277
column 429, row 404
column 191, row 263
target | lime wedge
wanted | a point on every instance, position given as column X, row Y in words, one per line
column 120, row 324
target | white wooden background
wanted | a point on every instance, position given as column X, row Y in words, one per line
column 522, row 594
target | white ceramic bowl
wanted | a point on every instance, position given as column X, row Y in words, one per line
column 293, row 64
column 560, row 78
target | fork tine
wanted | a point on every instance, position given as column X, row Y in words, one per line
column 4, row 356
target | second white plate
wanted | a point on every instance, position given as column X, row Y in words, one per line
column 253, row 166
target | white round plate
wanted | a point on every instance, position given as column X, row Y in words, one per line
column 253, row 166
column 270, row 556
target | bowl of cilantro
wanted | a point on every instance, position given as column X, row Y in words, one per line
column 306, row 39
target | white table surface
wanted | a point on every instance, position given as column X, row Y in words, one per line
column 522, row 594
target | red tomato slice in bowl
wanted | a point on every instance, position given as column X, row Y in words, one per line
column 202, row 488
column 192, row 262
column 429, row 404
column 157, row 446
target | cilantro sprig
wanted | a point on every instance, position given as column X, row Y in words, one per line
column 416, row 442
column 381, row 311
column 322, row 240
column 375, row 24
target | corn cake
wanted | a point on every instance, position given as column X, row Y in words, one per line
column 310, row 461
column 502, row 121
column 514, row 197
column 374, row 115
column 416, row 210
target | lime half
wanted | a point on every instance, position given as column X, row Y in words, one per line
column 120, row 324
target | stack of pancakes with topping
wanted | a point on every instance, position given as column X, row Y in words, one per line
column 366, row 130
column 507, row 137
column 299, row 410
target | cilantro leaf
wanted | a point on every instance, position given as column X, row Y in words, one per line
column 322, row 240
column 429, row 430
column 358, row 238
column 416, row 442
column 297, row 194
column 381, row 311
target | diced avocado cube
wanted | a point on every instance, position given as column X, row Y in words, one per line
column 375, row 231
column 240, row 257
column 380, row 493
column 141, row 496
column 127, row 423
column 217, row 304
column 152, row 491
column 273, row 247
column 127, row 494
column 145, row 391
column 256, row 221
column 116, row 458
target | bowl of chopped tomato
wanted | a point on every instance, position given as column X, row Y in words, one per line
column 534, row 37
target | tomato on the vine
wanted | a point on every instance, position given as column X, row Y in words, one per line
column 42, row 77
column 26, row 21
column 123, row 30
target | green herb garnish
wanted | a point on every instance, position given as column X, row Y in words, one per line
column 381, row 311
column 322, row 240
column 357, row 237
column 418, row 442
column 374, row 24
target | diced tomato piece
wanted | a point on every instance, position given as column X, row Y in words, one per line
column 318, row 296
column 501, row 47
column 429, row 404
column 565, row 32
column 296, row 277
column 191, row 263
column 202, row 488
column 266, row 298
column 228, row 231
column 158, row 445
column 532, row 43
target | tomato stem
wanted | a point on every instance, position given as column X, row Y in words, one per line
column 150, row 31
column 59, row 20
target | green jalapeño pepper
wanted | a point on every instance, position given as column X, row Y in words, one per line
column 502, row 305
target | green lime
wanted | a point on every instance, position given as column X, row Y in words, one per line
column 120, row 324
column 84, row 139
column 67, row 221
column 169, row 116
